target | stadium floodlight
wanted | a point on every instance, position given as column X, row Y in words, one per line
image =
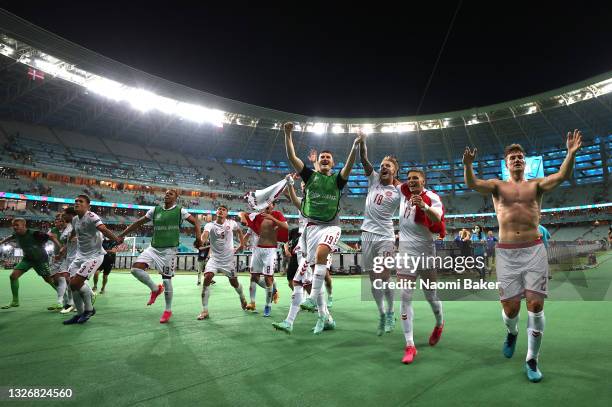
column 338, row 128
column 367, row 129
column 405, row 127
column 532, row 109
column 354, row 128
column 297, row 127
column 49, row 58
column 107, row 88
column 141, row 99
column 200, row 114
column 429, row 125
column 605, row 87
column 48, row 67
column 388, row 129
column 59, row 69
column 317, row 128
column 165, row 105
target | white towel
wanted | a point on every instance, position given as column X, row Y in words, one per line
column 258, row 200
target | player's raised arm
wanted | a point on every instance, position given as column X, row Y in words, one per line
column 134, row 226
column 573, row 142
column 312, row 157
column 196, row 224
column 290, row 193
column 240, row 234
column 293, row 158
column 480, row 185
column 204, row 237
column 350, row 160
column 109, row 234
column 246, row 238
column 363, row 154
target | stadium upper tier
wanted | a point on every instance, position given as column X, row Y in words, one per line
column 59, row 154
column 83, row 93
column 34, row 182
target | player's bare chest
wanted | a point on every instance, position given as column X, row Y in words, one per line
column 523, row 193
column 267, row 225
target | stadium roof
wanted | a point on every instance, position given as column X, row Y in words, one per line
column 87, row 92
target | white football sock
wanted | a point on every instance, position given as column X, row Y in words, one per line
column 535, row 330
column 205, row 297
column 68, row 297
column 322, row 304
column 78, row 301
column 318, row 279
column 253, row 290
column 436, row 305
column 86, row 295
column 262, row 282
column 511, row 323
column 269, row 295
column 168, row 293
column 296, row 300
column 389, row 297
column 61, row 289
column 407, row 315
column 377, row 293
column 144, row 278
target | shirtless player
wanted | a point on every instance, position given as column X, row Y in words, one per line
column 522, row 263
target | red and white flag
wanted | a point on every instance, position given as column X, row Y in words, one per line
column 258, row 200
column 35, row 74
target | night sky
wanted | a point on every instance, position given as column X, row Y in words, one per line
column 347, row 62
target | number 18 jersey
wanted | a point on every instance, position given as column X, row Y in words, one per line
column 381, row 204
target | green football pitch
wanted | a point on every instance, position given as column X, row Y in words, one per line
column 124, row 356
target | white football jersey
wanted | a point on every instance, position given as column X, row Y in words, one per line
column 71, row 246
column 381, row 204
column 221, row 238
column 302, row 222
column 89, row 242
column 413, row 235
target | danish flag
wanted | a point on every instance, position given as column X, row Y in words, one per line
column 34, row 74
